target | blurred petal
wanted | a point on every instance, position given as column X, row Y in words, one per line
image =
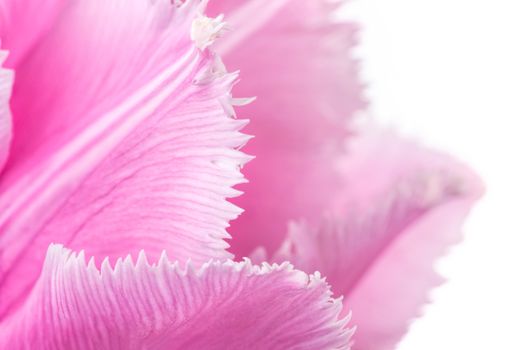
column 6, row 82
column 396, row 286
column 141, row 306
column 23, row 22
column 123, row 141
column 402, row 207
column 217, row 7
column 297, row 62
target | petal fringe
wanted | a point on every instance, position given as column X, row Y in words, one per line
column 137, row 150
column 221, row 305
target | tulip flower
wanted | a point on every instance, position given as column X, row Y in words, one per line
column 122, row 161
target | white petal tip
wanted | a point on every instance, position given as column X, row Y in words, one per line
column 205, row 30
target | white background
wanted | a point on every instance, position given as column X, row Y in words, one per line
column 451, row 72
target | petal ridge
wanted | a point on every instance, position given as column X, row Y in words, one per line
column 152, row 168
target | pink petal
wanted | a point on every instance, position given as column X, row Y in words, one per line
column 394, row 289
column 297, row 62
column 6, row 82
column 217, row 7
column 122, row 141
column 24, row 22
column 162, row 306
column 402, row 207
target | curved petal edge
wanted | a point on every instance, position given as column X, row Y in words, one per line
column 402, row 207
column 234, row 305
column 139, row 149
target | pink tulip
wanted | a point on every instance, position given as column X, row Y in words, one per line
column 119, row 141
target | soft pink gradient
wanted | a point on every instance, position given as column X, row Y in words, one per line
column 401, row 207
column 118, row 137
column 298, row 64
column 323, row 198
column 6, row 85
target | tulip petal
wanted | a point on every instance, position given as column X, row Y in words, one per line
column 123, row 140
column 297, row 61
column 217, row 7
column 396, row 287
column 24, row 22
column 401, row 209
column 6, row 82
column 222, row 305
